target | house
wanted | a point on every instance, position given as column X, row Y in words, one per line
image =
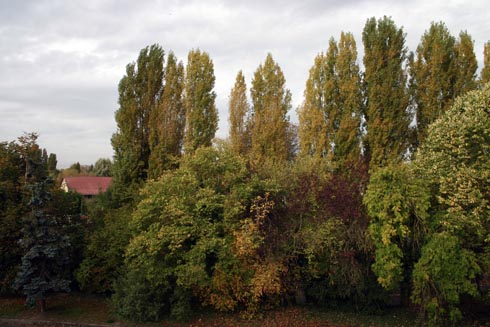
column 88, row 186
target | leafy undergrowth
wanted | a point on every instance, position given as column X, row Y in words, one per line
column 96, row 310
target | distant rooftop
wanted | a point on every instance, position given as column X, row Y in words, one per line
column 86, row 185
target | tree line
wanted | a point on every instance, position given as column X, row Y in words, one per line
column 41, row 233
column 380, row 191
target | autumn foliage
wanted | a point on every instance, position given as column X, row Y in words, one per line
column 379, row 197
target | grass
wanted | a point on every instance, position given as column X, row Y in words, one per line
column 11, row 307
column 96, row 310
column 62, row 307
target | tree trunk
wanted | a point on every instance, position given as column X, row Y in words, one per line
column 300, row 296
column 42, row 305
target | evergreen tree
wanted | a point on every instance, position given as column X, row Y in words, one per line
column 239, row 111
column 45, row 245
column 271, row 101
column 140, row 91
column 485, row 72
column 46, row 250
column 167, row 121
column 387, row 118
column 199, row 100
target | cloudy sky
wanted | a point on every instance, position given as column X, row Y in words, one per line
column 61, row 60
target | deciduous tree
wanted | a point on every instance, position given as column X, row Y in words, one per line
column 239, row 110
column 387, row 117
column 466, row 65
column 320, row 87
column 485, row 72
column 398, row 203
column 140, row 91
column 331, row 113
column 444, row 68
column 52, row 162
column 167, row 121
column 271, row 102
column 199, row 100
column 347, row 147
column 454, row 161
column 103, row 167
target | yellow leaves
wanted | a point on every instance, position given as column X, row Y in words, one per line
column 267, row 279
column 387, row 232
column 250, row 236
column 247, row 239
column 227, row 290
column 271, row 103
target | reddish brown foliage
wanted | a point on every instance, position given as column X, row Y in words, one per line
column 342, row 195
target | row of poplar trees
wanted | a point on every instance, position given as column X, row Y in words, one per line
column 382, row 113
column 166, row 110
column 195, row 200
column 163, row 110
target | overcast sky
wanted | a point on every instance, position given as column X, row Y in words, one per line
column 61, row 60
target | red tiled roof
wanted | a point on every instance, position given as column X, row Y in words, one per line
column 88, row 185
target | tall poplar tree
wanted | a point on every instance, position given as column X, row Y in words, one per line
column 271, row 102
column 444, row 68
column 331, row 93
column 347, row 137
column 485, row 72
column 139, row 93
column 387, row 117
column 199, row 100
column 465, row 66
column 432, row 76
column 167, row 121
column 52, row 162
column 239, row 114
column 312, row 123
column 330, row 115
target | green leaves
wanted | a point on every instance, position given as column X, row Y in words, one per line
column 455, row 162
column 387, row 116
column 398, row 204
column 201, row 112
column 239, row 110
column 271, row 102
column 167, row 121
column 140, row 91
column 330, row 116
column 444, row 68
column 49, row 236
column 444, row 272
column 179, row 235
column 485, row 72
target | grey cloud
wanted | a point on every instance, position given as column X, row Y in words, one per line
column 60, row 61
